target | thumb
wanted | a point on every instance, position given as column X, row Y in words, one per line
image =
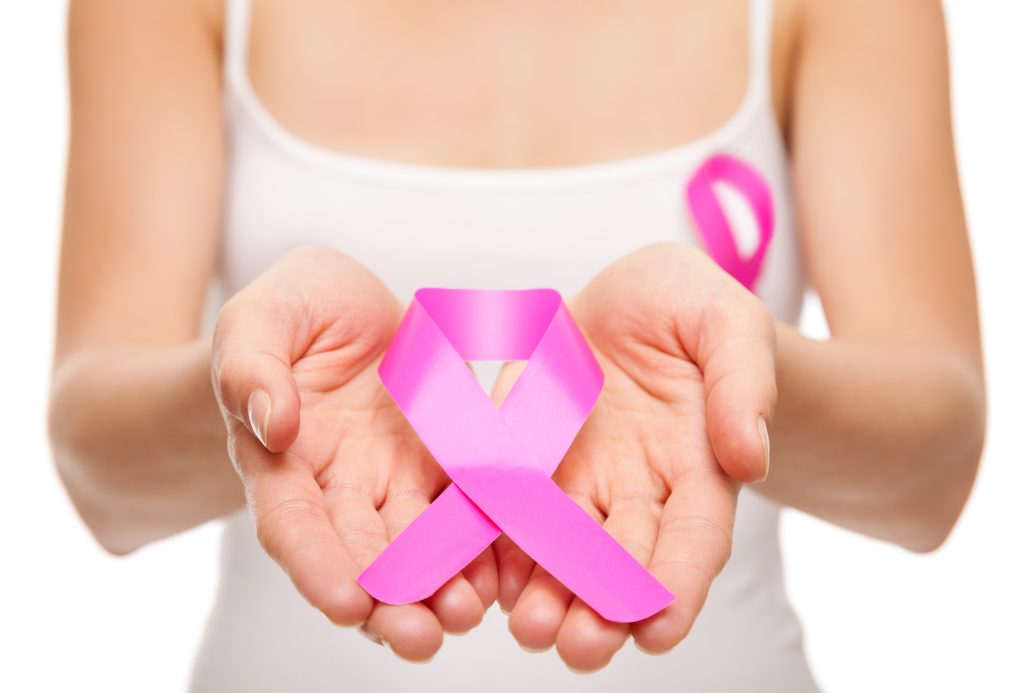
column 252, row 373
column 738, row 361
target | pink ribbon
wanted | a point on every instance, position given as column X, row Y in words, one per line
column 712, row 223
column 500, row 460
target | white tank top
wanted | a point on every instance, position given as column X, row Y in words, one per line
column 417, row 225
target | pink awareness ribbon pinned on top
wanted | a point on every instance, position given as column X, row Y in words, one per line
column 712, row 223
column 500, row 460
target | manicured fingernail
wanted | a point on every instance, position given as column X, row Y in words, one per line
column 372, row 637
column 762, row 427
column 259, row 415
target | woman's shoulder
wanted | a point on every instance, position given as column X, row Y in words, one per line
column 167, row 19
column 821, row 36
column 915, row 20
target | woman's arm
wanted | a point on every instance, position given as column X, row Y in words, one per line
column 880, row 428
column 137, row 436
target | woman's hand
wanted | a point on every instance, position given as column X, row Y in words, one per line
column 688, row 356
column 332, row 471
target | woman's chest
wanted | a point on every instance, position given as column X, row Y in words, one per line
column 464, row 224
column 502, row 84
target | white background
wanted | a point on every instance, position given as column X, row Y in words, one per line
column 876, row 617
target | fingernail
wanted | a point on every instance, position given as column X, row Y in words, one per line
column 762, row 427
column 372, row 637
column 259, row 415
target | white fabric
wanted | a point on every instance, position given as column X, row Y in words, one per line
column 418, row 225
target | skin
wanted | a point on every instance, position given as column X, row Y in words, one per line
column 334, row 472
column 688, row 357
column 878, row 429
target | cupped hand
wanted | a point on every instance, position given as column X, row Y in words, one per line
column 331, row 469
column 689, row 362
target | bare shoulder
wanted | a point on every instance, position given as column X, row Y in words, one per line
column 911, row 14
column 875, row 28
column 167, row 18
column 124, row 51
column 860, row 42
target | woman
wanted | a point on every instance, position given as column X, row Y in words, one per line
column 510, row 145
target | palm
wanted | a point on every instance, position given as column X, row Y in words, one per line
column 646, row 431
column 354, row 474
column 643, row 465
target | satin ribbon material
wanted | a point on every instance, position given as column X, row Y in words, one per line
column 712, row 223
column 500, row 460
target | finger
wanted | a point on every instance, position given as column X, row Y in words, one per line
column 693, row 544
column 251, row 369
column 412, row 631
column 737, row 358
column 586, row 641
column 456, row 604
column 514, row 570
column 293, row 527
column 353, row 512
column 541, row 609
column 482, row 574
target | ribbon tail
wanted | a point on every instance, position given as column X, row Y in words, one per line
column 438, row 544
column 563, row 538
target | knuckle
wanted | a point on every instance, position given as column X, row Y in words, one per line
column 227, row 316
column 703, row 533
column 408, row 495
column 279, row 526
column 224, row 335
column 641, row 499
column 637, row 546
column 364, row 541
column 227, row 372
column 334, row 484
column 703, row 574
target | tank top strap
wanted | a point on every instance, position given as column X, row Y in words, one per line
column 236, row 38
column 760, row 29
